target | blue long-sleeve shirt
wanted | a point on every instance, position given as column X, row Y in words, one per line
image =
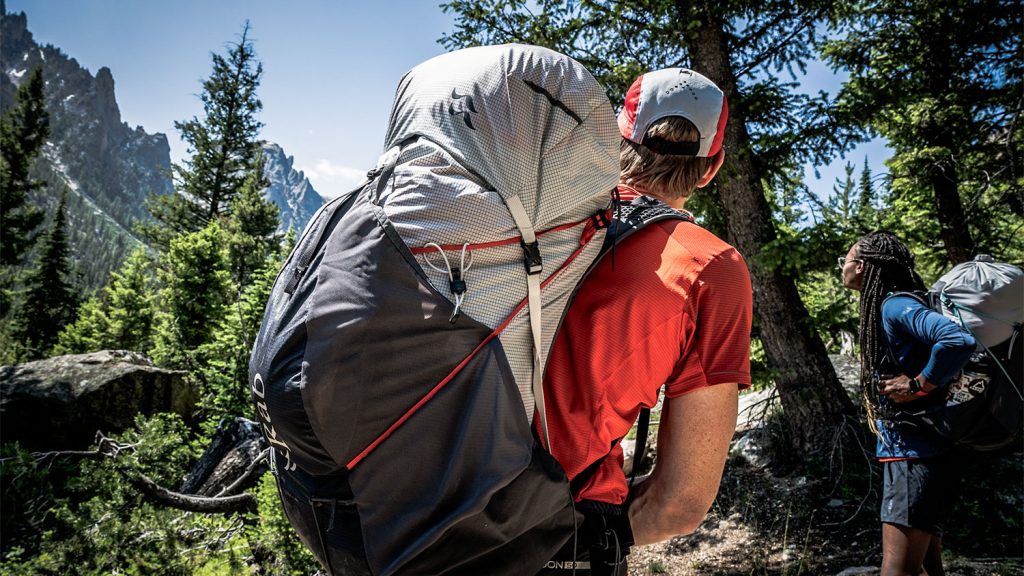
column 922, row 342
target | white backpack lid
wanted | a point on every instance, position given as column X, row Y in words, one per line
column 987, row 295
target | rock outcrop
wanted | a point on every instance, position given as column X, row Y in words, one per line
column 60, row 403
column 289, row 189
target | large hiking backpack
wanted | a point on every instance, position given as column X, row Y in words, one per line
column 983, row 408
column 399, row 364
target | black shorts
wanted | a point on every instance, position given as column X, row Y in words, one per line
column 918, row 493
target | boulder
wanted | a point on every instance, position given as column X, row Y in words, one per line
column 61, row 402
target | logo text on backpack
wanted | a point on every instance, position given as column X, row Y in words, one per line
column 567, row 565
column 259, row 390
column 462, row 105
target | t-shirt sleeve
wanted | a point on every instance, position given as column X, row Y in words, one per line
column 717, row 347
column 949, row 347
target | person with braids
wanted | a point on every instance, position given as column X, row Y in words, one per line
column 908, row 352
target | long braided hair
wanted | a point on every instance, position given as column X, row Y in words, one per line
column 888, row 268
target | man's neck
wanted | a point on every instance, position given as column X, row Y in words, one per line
column 677, row 203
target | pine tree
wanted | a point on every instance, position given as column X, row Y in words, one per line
column 196, row 285
column 51, row 301
column 121, row 317
column 225, row 359
column 223, row 147
column 941, row 81
column 251, row 228
column 23, row 131
column 846, row 198
column 869, row 217
column 85, row 334
column 130, row 309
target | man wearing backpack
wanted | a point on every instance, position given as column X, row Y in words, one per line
column 671, row 307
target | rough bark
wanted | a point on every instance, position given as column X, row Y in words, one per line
column 950, row 213
column 234, row 460
column 813, row 401
column 942, row 175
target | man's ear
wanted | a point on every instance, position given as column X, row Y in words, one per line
column 719, row 159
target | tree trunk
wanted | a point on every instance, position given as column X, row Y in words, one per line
column 233, row 461
column 942, row 175
column 950, row 213
column 813, row 400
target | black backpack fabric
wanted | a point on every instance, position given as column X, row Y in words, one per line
column 430, row 496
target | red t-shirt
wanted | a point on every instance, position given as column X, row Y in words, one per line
column 675, row 311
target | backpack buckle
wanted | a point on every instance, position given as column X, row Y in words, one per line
column 600, row 219
column 531, row 257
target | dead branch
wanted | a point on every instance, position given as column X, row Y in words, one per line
column 223, row 504
column 107, row 448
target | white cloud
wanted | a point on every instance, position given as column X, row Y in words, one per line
column 332, row 180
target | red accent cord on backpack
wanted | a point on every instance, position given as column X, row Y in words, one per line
column 440, row 385
column 495, row 243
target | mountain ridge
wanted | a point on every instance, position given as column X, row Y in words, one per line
column 108, row 167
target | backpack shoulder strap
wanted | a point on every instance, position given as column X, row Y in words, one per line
column 632, row 216
column 928, row 299
column 629, row 217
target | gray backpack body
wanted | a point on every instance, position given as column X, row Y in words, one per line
column 397, row 368
column 983, row 408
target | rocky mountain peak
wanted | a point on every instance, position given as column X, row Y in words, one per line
column 105, row 101
column 108, row 167
column 289, row 188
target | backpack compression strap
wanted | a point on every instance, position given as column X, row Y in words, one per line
column 534, row 266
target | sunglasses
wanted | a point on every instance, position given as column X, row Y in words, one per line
column 842, row 261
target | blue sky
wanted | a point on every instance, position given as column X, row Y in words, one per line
column 329, row 69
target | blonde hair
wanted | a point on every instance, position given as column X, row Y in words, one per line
column 663, row 175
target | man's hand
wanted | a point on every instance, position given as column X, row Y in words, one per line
column 693, row 442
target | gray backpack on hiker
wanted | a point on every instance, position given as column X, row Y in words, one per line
column 983, row 408
column 398, row 368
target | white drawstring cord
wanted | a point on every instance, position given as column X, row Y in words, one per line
column 456, row 283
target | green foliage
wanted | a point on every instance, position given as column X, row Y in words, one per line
column 224, row 361
column 196, row 289
column 223, row 147
column 51, row 301
column 941, row 81
column 835, row 224
column 251, row 228
column 68, row 516
column 197, row 305
column 121, row 317
column 86, row 519
column 23, row 131
column 12, row 350
column 288, row 556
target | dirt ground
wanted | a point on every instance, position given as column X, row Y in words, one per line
column 781, row 530
column 769, row 520
column 764, row 524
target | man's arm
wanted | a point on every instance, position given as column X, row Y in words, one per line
column 693, row 442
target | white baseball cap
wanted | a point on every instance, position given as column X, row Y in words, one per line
column 675, row 92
